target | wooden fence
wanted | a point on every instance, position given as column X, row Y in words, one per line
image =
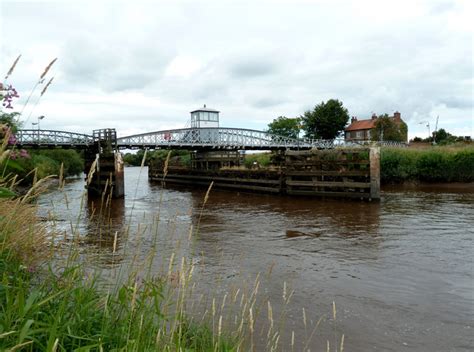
column 347, row 173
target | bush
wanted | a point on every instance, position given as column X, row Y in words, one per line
column 437, row 164
column 262, row 160
column 72, row 160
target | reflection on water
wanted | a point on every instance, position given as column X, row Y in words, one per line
column 400, row 269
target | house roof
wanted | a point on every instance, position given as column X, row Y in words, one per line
column 205, row 109
column 361, row 125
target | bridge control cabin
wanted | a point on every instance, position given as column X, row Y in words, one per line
column 204, row 118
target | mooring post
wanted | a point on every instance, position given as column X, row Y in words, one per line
column 107, row 177
column 374, row 157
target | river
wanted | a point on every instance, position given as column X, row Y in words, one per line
column 400, row 270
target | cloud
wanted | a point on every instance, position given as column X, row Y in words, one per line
column 267, row 102
column 252, row 68
column 144, row 66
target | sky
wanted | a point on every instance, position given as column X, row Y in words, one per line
column 142, row 66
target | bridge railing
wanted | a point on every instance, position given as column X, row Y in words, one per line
column 50, row 138
column 233, row 138
column 191, row 138
column 223, row 138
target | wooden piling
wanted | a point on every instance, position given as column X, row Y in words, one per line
column 107, row 177
column 374, row 158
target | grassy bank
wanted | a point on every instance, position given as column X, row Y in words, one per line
column 64, row 309
column 44, row 162
column 435, row 164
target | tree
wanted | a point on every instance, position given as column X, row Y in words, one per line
column 326, row 120
column 284, row 126
column 441, row 135
column 387, row 129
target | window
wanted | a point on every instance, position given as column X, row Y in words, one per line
column 360, row 134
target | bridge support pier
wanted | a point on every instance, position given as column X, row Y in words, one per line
column 104, row 166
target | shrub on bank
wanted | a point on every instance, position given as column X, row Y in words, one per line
column 437, row 164
column 46, row 162
column 261, row 159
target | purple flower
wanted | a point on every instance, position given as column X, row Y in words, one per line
column 11, row 140
column 11, row 93
column 24, row 154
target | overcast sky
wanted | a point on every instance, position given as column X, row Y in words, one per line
column 142, row 66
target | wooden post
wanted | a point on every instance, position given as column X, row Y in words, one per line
column 119, row 184
column 108, row 176
column 375, row 172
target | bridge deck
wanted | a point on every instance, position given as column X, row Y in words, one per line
column 187, row 138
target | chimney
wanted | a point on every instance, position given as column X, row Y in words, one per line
column 374, row 116
column 353, row 119
column 204, row 105
column 397, row 116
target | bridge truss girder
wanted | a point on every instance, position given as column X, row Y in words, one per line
column 187, row 138
column 212, row 138
column 52, row 139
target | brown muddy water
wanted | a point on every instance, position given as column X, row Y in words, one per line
column 400, row 270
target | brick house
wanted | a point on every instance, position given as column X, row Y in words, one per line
column 362, row 130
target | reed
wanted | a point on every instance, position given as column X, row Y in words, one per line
column 64, row 305
column 436, row 164
column 12, row 67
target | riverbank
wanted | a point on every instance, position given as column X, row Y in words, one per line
column 435, row 165
column 47, row 307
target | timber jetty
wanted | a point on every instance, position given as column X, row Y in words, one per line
column 345, row 173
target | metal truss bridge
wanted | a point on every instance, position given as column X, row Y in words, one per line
column 187, row 138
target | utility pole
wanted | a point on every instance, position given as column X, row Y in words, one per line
column 435, row 130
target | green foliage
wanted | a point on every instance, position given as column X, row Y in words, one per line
column 388, row 130
column 326, row 120
column 261, row 159
column 441, row 135
column 438, row 164
column 47, row 162
column 181, row 157
column 73, row 162
column 284, row 126
column 6, row 193
column 70, row 312
column 10, row 119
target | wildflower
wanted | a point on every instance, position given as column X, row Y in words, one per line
column 11, row 139
column 24, row 154
column 8, row 94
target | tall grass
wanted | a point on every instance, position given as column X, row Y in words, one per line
column 61, row 305
column 67, row 309
column 437, row 164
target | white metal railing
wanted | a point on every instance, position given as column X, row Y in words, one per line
column 34, row 138
column 193, row 138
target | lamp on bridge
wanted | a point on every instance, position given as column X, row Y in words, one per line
column 204, row 117
column 39, row 119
